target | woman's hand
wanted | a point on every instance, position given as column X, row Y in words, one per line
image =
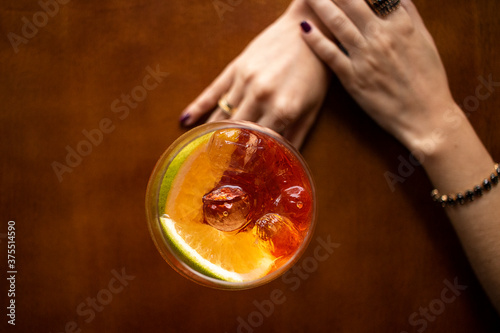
column 277, row 81
column 392, row 69
column 394, row 72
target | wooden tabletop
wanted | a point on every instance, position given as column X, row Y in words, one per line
column 90, row 96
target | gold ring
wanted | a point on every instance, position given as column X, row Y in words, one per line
column 226, row 107
column 383, row 7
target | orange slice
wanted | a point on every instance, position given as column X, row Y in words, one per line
column 226, row 256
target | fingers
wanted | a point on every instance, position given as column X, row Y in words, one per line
column 278, row 118
column 217, row 115
column 358, row 12
column 233, row 97
column 208, row 99
column 325, row 49
column 413, row 13
column 340, row 24
column 415, row 17
column 333, row 12
column 297, row 133
column 250, row 109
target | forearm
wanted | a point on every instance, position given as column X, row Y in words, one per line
column 397, row 77
column 455, row 161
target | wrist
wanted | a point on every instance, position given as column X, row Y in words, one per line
column 432, row 130
column 451, row 152
column 437, row 128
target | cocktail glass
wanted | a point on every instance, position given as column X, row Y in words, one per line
column 231, row 205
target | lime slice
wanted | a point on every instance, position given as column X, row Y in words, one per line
column 174, row 166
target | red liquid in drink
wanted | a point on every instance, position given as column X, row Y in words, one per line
column 264, row 190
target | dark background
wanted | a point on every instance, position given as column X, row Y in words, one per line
column 395, row 248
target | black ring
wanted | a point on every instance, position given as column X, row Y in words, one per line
column 383, row 7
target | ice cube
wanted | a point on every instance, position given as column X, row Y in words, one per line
column 253, row 154
column 250, row 166
column 249, row 152
column 277, row 234
column 296, row 203
column 220, row 148
column 227, row 208
column 287, row 171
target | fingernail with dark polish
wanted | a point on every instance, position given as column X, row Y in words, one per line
column 184, row 117
column 306, row 27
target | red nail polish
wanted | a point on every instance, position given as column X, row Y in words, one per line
column 306, row 27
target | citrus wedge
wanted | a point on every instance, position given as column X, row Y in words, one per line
column 226, row 256
column 211, row 261
column 174, row 166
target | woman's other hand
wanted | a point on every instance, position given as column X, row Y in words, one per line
column 277, row 81
column 392, row 67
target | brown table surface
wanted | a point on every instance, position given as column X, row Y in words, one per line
column 396, row 253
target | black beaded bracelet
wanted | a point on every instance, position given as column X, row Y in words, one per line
column 469, row 195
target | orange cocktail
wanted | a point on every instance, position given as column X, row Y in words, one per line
column 231, row 205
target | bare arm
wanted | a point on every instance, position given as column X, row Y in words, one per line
column 394, row 72
column 457, row 163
